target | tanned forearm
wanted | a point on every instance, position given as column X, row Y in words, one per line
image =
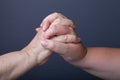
column 102, row 62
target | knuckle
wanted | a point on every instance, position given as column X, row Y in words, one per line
column 73, row 38
column 66, row 38
column 57, row 20
column 54, row 27
column 59, row 15
column 56, row 23
column 52, row 31
column 56, row 14
column 76, row 39
column 71, row 23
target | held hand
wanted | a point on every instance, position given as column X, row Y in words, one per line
column 70, row 47
column 56, row 24
column 36, row 50
column 51, row 18
column 71, row 52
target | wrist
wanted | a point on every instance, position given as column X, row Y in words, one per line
column 38, row 54
column 29, row 55
column 79, row 60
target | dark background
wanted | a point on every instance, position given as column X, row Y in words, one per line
column 98, row 24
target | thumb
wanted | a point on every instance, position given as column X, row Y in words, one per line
column 55, row 46
column 69, row 51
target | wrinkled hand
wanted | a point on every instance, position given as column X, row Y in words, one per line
column 69, row 46
column 63, row 33
column 58, row 25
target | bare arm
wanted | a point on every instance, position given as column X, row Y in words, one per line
column 15, row 64
column 102, row 62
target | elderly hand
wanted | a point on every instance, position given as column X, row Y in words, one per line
column 69, row 46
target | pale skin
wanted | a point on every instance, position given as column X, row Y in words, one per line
column 15, row 64
column 103, row 62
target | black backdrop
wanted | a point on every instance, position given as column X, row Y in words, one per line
column 98, row 24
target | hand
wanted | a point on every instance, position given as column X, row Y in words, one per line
column 73, row 50
column 56, row 24
column 35, row 49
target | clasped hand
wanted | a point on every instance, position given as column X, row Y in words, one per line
column 56, row 33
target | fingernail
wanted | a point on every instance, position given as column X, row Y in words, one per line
column 44, row 42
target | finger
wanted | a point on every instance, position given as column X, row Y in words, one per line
column 49, row 19
column 60, row 27
column 37, row 29
column 55, row 46
column 70, row 52
column 67, row 51
column 39, row 32
column 67, row 38
column 52, row 32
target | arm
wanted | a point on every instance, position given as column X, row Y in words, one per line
column 102, row 62
column 15, row 64
column 99, row 61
